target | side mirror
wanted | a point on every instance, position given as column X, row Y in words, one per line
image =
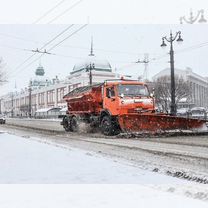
column 153, row 93
column 108, row 94
column 122, row 95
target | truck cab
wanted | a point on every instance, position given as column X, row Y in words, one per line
column 126, row 97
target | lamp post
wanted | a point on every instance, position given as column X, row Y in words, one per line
column 12, row 104
column 0, row 105
column 170, row 40
column 30, row 99
column 90, row 67
column 191, row 19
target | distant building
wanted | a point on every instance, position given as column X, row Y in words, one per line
column 198, row 85
column 39, row 80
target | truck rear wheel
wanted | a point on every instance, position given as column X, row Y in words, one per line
column 109, row 127
column 74, row 124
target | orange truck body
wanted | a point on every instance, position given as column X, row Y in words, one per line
column 120, row 105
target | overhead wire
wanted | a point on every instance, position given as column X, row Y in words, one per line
column 84, row 58
column 72, row 6
column 48, row 11
column 193, row 47
column 65, row 11
column 85, row 48
column 56, row 45
column 16, row 37
column 76, row 31
column 46, row 44
column 60, row 55
column 197, row 46
column 67, row 56
column 104, row 50
column 14, row 48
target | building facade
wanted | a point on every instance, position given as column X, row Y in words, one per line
column 43, row 93
column 198, row 86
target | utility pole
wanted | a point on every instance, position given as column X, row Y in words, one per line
column 12, row 110
column 146, row 63
column 170, row 40
column 30, row 99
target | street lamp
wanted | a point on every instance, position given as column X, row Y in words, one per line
column 192, row 19
column 170, row 40
column 89, row 68
column 30, row 99
column 12, row 104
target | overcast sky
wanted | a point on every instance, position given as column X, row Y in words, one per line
column 121, row 44
column 100, row 11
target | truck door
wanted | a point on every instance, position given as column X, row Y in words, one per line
column 110, row 101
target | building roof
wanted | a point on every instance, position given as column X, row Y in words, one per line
column 98, row 65
column 40, row 71
column 186, row 73
column 40, row 80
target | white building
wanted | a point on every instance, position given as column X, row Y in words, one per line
column 198, row 85
column 46, row 93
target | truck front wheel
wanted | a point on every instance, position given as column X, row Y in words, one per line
column 109, row 127
column 66, row 124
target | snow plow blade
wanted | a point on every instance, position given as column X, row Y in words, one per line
column 157, row 123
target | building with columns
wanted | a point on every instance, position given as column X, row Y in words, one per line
column 198, row 85
column 43, row 93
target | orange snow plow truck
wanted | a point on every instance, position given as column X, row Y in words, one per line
column 120, row 106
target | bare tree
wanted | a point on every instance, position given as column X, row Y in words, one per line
column 163, row 91
column 3, row 76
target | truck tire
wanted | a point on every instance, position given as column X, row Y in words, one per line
column 108, row 126
column 74, row 126
column 66, row 124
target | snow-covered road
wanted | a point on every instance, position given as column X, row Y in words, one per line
column 30, row 160
column 91, row 196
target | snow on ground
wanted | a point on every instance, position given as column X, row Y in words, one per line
column 91, row 196
column 27, row 161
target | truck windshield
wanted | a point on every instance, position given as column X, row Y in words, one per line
column 133, row 90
